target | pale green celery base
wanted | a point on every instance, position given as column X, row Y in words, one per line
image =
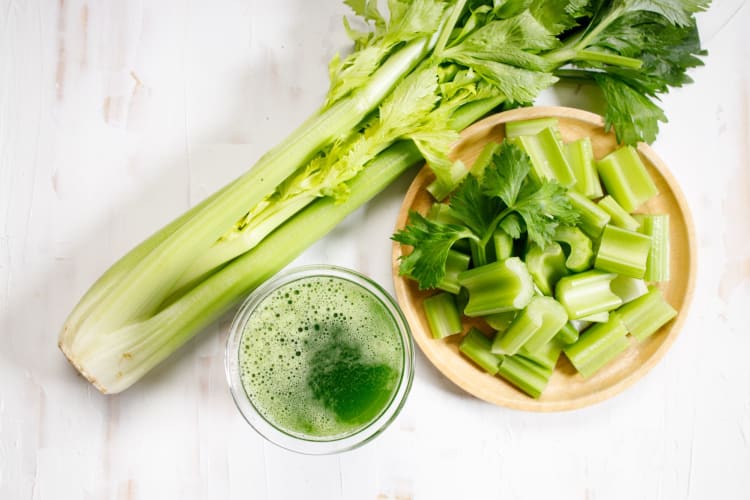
column 113, row 360
column 121, row 268
column 586, row 293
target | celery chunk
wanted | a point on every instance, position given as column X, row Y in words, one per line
column 580, row 155
column 442, row 315
column 618, row 216
column 587, row 293
column 646, row 314
column 546, row 356
column 455, row 264
column 502, row 244
column 546, row 266
column 600, row 317
column 441, row 212
column 531, row 127
column 593, row 218
column 567, row 334
column 623, row 252
column 548, row 160
column 598, row 345
column 625, row 177
column 500, row 321
column 524, row 374
column 533, row 327
column 628, row 289
column 580, row 248
column 484, row 159
column 476, row 346
column 497, row 287
column 656, row 227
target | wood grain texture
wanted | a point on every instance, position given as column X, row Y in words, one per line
column 567, row 390
column 117, row 116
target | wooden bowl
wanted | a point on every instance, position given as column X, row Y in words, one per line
column 567, row 389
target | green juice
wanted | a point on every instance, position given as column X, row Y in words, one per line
column 321, row 357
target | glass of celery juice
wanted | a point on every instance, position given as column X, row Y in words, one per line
column 319, row 359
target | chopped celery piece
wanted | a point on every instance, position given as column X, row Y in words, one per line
column 656, row 227
column 626, row 178
column 500, row 321
column 580, row 324
column 580, row 156
column 546, row 356
column 462, row 298
column 546, row 266
column 618, row 216
column 567, row 334
column 622, row 252
column 441, row 187
column 530, row 127
column 456, row 263
column 628, row 288
column 593, row 218
column 646, row 314
column 601, row 317
column 547, row 157
column 587, row 293
column 441, row 212
column 524, row 374
column 484, row 159
column 503, row 245
column 580, row 248
column 533, row 327
column 497, row 287
column 476, row 346
column 442, row 315
column 598, row 345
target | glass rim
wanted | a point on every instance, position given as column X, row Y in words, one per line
column 285, row 439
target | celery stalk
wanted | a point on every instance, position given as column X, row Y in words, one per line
column 115, row 359
column 548, row 160
column 441, row 212
column 593, row 217
column 580, row 248
column 476, row 346
column 618, row 216
column 597, row 346
column 442, row 315
column 626, row 178
column 497, row 287
column 645, row 315
column 587, row 293
column 657, row 228
column 580, row 155
column 532, row 328
column 546, row 266
column 623, row 252
column 524, row 374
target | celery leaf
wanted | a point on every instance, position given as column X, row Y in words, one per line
column 431, row 242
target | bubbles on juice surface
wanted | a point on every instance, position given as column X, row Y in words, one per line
column 320, row 357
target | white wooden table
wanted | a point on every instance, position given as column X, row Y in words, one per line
column 117, row 116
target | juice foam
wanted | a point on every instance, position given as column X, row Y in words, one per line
column 320, row 357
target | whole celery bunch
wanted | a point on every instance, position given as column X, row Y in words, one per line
column 415, row 78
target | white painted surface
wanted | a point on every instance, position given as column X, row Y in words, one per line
column 117, row 116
